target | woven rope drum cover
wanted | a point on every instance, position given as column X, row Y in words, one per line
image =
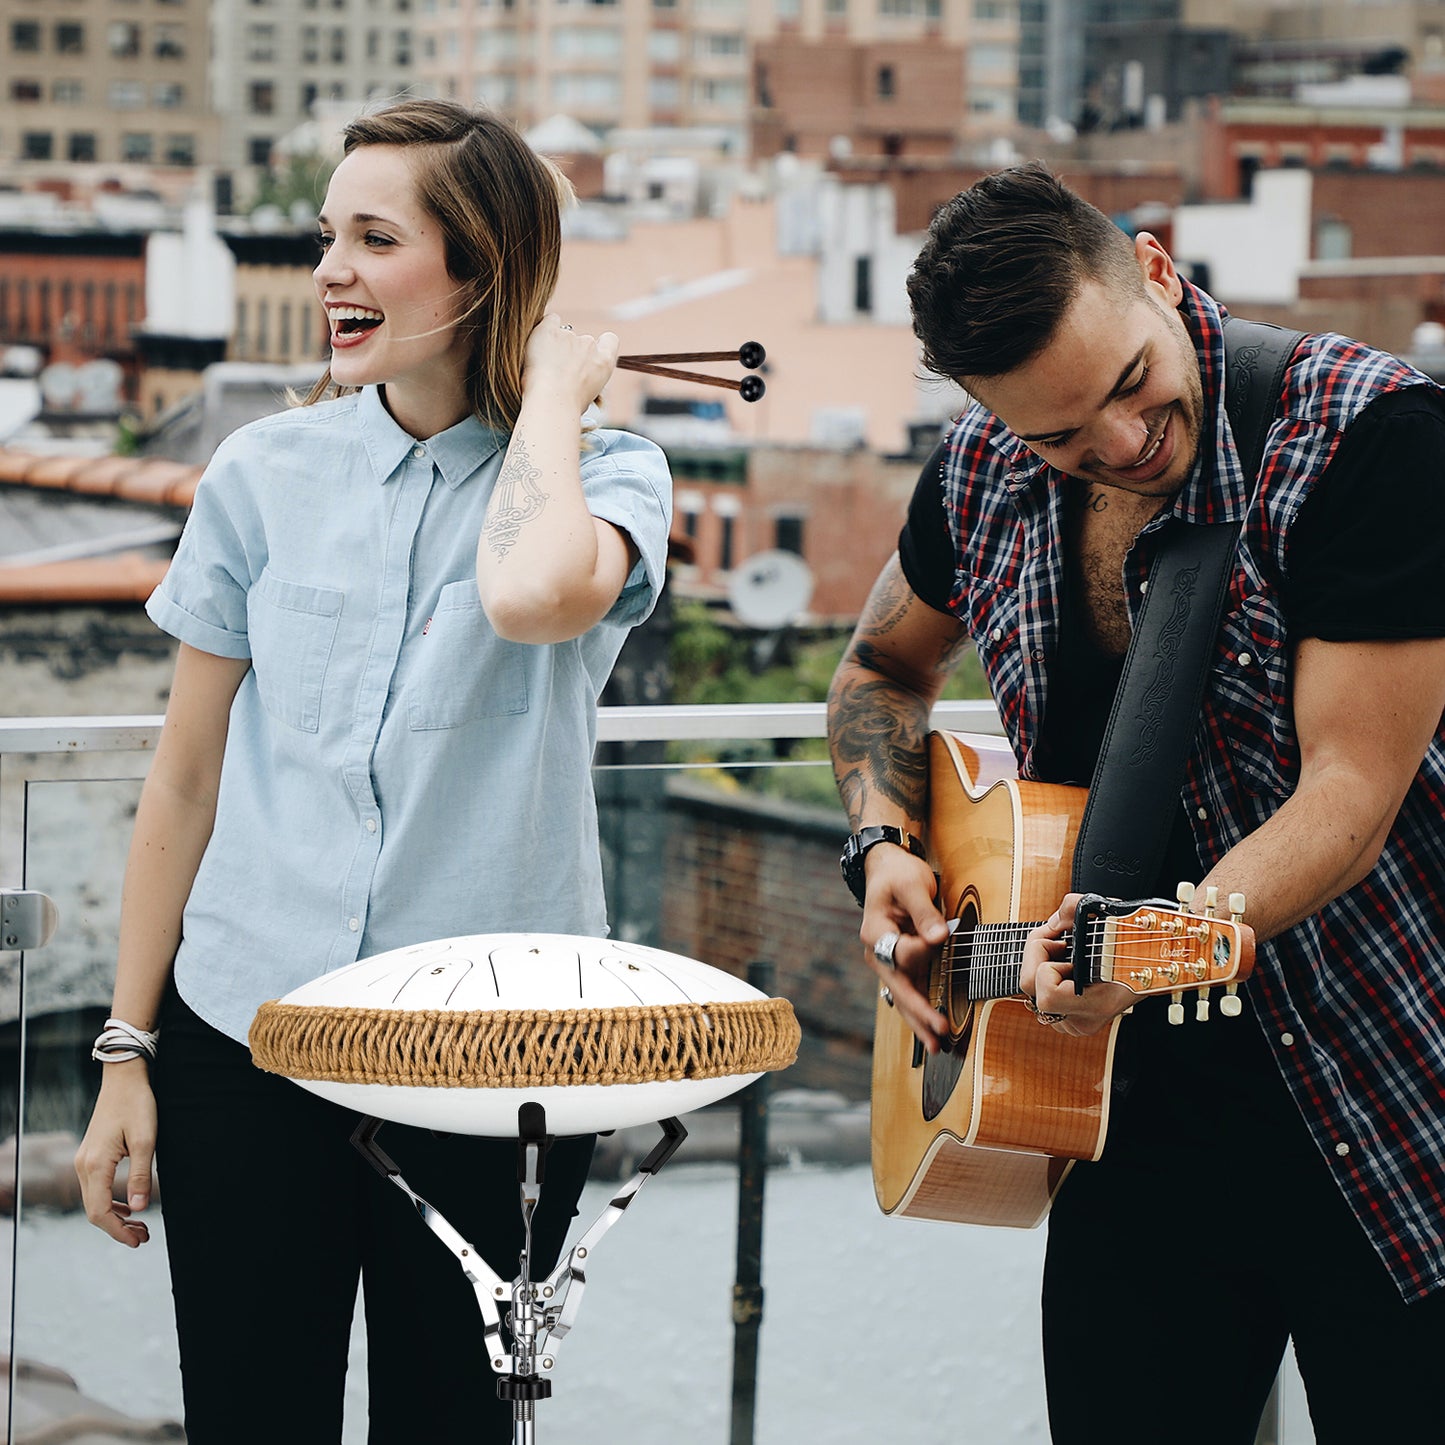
column 456, row 1034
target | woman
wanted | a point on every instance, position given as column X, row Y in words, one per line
column 396, row 608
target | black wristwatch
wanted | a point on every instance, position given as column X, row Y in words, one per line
column 854, row 849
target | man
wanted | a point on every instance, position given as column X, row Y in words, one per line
column 1280, row 1175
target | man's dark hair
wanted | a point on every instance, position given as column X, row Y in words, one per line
column 1003, row 262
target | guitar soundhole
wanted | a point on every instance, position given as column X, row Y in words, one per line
column 941, row 1071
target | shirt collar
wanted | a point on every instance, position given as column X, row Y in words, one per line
column 457, row 452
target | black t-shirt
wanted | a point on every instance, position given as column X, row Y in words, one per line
column 1367, row 551
column 1366, row 561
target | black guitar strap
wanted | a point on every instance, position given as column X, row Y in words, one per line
column 1135, row 789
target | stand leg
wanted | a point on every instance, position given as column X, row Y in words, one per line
column 541, row 1313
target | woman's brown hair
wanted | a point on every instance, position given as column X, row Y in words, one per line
column 499, row 206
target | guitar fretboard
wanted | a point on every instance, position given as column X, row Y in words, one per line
column 991, row 957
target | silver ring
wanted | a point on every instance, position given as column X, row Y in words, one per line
column 886, row 994
column 884, row 948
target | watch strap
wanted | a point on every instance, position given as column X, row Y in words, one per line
column 858, row 844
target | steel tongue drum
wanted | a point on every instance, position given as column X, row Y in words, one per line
column 456, row 1034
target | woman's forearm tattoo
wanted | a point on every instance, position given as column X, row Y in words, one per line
column 516, row 500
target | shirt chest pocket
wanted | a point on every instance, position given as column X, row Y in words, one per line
column 1251, row 686
column 462, row 670
column 292, row 630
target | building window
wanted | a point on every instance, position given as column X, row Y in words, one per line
column 261, row 42
column 714, row 43
column 338, row 46
column 261, row 97
column 137, row 146
column 81, row 146
column 788, row 535
column 310, row 44
column 68, row 92
column 309, row 93
column 885, row 82
column 726, row 542
column 37, row 145
column 170, row 42
column 863, row 283
column 168, row 95
column 127, row 95
column 25, row 37
column 27, row 91
column 258, row 150
column 70, row 39
column 122, row 38
column 180, row 150
column 240, row 340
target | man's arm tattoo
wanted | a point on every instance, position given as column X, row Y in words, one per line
column 879, row 733
column 516, row 500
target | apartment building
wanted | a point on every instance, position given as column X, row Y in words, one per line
column 689, row 63
column 275, row 59
column 97, row 82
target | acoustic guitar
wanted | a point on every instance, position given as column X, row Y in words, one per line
column 986, row 1130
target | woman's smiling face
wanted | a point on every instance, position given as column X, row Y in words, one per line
column 391, row 305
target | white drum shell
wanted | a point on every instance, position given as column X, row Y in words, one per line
column 522, row 971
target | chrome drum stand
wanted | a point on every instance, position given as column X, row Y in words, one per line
column 540, row 1313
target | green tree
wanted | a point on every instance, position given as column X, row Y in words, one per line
column 713, row 664
column 295, row 178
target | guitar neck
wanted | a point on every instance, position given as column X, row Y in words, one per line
column 990, row 957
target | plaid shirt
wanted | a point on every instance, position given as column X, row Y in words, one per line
column 1351, row 999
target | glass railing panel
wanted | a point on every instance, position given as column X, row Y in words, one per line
column 723, row 850
column 71, row 1284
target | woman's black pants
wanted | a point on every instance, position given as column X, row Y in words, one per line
column 271, row 1218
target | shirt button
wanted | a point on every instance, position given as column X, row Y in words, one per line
column 371, row 825
column 1245, row 659
column 1342, row 1150
column 1144, row 586
column 1287, row 1040
column 418, row 452
column 354, row 924
column 998, row 634
column 1201, row 813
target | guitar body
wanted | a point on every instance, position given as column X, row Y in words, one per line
column 985, row 1133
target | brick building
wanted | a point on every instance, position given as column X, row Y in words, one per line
column 75, row 296
column 883, row 98
column 93, row 83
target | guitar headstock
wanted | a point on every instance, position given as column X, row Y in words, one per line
column 1152, row 946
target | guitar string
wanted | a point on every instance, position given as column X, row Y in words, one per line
column 993, row 963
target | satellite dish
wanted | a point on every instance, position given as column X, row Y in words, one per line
column 770, row 589
column 97, row 385
column 58, row 386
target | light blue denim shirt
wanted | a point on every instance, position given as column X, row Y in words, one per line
column 394, row 771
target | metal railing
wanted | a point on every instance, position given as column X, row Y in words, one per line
column 113, row 754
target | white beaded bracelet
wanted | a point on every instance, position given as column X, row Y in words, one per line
column 119, row 1041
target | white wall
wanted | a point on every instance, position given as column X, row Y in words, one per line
column 1255, row 249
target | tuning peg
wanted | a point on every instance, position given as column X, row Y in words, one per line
column 1185, row 894
column 1201, row 1006
column 1229, row 1005
column 1176, row 1007
column 1211, row 900
column 1236, row 907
